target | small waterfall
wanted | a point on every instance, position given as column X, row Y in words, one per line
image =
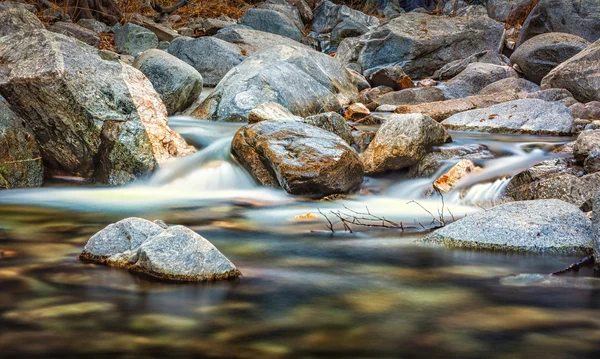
column 489, row 193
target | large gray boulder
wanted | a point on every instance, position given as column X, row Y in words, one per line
column 558, row 95
column 20, row 159
column 500, row 10
column 517, row 85
column 304, row 81
column 92, row 116
column 596, row 229
column 332, row 122
column 542, row 226
column 5, row 5
column 412, row 96
column 402, row 141
column 422, row 43
column 132, row 39
column 455, row 67
column 177, row 83
column 252, row 41
column 300, row 158
column 340, row 22
column 211, row 57
column 271, row 21
column 74, row 30
column 577, row 17
column 527, row 116
column 475, row 78
column 172, row 253
column 286, row 9
column 539, row 55
column 579, row 74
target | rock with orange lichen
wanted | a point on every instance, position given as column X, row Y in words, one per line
column 93, row 116
column 356, row 111
column 393, row 77
column 448, row 180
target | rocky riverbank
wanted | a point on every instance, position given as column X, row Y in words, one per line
column 329, row 97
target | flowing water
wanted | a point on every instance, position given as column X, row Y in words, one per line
column 305, row 292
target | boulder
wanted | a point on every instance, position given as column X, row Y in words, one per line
column 17, row 5
column 271, row 21
column 455, row 67
column 543, row 226
column 300, row 158
column 587, row 111
column 587, row 141
column 373, row 94
column 356, row 111
column 476, row 77
column 402, row 141
column 271, row 111
column 446, row 182
column 92, row 116
column 208, row 26
column 211, row 57
column 18, row 20
column 20, row 159
column 361, row 82
column 252, row 41
column 422, row 43
column 332, row 122
column 577, row 17
column 177, row 83
column 80, row 33
column 94, row 25
column 132, row 39
column 393, row 77
column 411, row 96
column 304, row 9
column 448, row 155
column 519, row 86
column 596, row 230
column 558, row 95
column 527, row 116
column 500, row 10
column 579, row 74
column 302, row 80
column 537, row 56
column 340, row 22
column 172, row 253
column 285, row 8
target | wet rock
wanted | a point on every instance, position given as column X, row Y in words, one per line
column 448, row 180
column 393, row 77
column 92, row 116
column 412, row 96
column 210, row 56
column 340, row 22
column 455, row 67
column 302, row 80
column 271, row 21
column 177, row 83
column 20, row 159
column 529, row 116
column 558, row 95
column 94, row 25
column 596, row 229
column 402, row 141
column 422, row 43
column 252, row 41
column 441, row 156
column 519, row 86
column 174, row 253
column 332, row 122
column 80, row 33
column 581, row 18
column 302, row 159
column 476, row 77
column 132, row 39
column 542, row 226
column 356, row 111
column 271, row 111
column 580, row 75
column 442, row 110
column 539, row 55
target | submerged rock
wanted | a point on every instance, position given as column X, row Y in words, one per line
column 300, row 158
column 20, row 159
column 302, row 80
column 529, row 116
column 174, row 253
column 92, row 116
column 402, row 141
column 542, row 226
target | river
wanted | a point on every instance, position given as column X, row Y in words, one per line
column 306, row 291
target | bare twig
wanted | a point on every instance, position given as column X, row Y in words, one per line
column 329, row 224
column 587, row 261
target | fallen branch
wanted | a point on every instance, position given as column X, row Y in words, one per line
column 364, row 219
column 167, row 10
column 585, row 262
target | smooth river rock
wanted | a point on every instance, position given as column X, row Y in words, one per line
column 475, row 78
column 271, row 21
column 92, row 116
column 543, row 226
column 172, row 253
column 528, row 116
column 300, row 158
column 302, row 80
